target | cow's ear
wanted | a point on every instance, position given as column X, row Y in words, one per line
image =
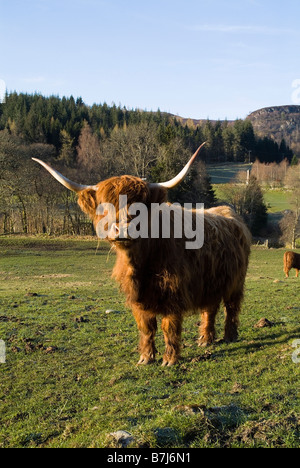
column 88, row 202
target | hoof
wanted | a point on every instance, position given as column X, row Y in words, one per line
column 204, row 341
column 231, row 338
column 169, row 362
column 145, row 361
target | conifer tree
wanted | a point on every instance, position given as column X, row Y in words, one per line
column 67, row 153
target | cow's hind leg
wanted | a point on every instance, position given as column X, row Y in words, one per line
column 297, row 273
column 286, row 271
column 171, row 326
column 207, row 332
column 147, row 325
column 232, row 310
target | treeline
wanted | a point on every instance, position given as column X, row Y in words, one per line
column 59, row 121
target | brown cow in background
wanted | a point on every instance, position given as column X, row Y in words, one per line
column 291, row 260
column 160, row 277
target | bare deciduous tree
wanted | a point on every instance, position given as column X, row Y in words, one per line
column 290, row 224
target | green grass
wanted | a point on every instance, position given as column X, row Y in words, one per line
column 70, row 377
column 277, row 200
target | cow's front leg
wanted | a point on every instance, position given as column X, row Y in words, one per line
column 172, row 326
column 147, row 326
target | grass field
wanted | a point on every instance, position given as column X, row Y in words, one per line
column 277, row 200
column 70, row 376
column 226, row 172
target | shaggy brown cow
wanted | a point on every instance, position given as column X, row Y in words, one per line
column 291, row 260
column 160, row 276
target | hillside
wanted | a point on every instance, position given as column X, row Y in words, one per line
column 278, row 123
column 196, row 122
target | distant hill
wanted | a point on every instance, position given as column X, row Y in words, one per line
column 277, row 123
column 280, row 122
column 195, row 122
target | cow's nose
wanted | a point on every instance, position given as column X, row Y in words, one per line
column 114, row 231
column 119, row 232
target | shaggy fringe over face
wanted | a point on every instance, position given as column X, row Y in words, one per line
column 291, row 260
column 161, row 278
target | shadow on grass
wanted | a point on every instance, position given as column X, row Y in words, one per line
column 270, row 339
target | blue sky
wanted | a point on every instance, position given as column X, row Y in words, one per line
column 193, row 58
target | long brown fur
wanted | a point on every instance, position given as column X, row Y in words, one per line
column 291, row 260
column 161, row 278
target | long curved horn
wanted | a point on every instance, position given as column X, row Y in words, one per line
column 179, row 178
column 63, row 180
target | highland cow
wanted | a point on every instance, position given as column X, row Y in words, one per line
column 291, row 260
column 159, row 276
